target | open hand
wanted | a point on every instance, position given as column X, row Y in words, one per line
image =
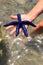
column 37, row 30
column 12, row 26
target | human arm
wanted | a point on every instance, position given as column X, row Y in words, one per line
column 37, row 30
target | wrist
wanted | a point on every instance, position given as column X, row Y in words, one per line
column 30, row 17
column 35, row 11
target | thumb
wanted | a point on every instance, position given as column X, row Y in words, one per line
column 13, row 17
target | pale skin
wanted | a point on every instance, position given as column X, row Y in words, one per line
column 38, row 8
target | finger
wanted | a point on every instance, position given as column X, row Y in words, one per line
column 13, row 17
column 41, row 23
column 26, row 26
column 22, row 33
column 13, row 31
column 9, row 27
column 20, row 30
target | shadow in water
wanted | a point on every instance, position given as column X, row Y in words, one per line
column 3, row 53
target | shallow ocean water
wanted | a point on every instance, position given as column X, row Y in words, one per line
column 19, row 51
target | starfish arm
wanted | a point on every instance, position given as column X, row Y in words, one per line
column 11, row 23
column 25, row 30
column 28, row 23
column 19, row 17
column 17, row 30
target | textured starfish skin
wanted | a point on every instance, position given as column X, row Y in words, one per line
column 20, row 24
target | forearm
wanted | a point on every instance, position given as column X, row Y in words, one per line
column 35, row 11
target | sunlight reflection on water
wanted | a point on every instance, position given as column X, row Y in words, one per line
column 28, row 50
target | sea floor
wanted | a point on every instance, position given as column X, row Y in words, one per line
column 19, row 51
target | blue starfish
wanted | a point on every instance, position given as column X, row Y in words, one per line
column 20, row 24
